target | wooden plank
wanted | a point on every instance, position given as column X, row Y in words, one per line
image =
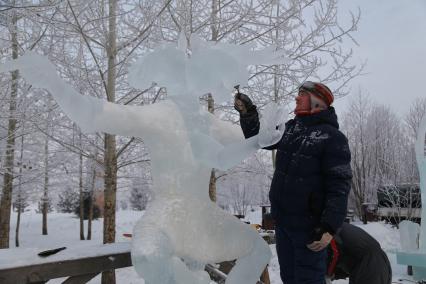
column 82, row 279
column 219, row 276
column 75, row 267
column 215, row 274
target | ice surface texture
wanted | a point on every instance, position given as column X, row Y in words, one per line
column 182, row 229
column 420, row 272
column 409, row 234
column 409, row 231
column 421, row 163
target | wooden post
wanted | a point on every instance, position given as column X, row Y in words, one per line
column 265, row 276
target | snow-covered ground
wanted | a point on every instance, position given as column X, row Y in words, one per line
column 64, row 231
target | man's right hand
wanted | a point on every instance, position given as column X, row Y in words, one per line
column 242, row 103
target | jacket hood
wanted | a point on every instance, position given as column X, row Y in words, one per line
column 327, row 116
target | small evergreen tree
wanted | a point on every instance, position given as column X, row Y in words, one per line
column 21, row 201
column 68, row 201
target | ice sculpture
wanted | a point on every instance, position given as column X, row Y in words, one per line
column 417, row 258
column 182, row 230
column 420, row 272
column 409, row 235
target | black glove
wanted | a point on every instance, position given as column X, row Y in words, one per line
column 248, row 104
column 316, row 235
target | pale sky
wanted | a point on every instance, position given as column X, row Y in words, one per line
column 392, row 37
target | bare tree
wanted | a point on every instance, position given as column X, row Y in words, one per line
column 80, row 189
column 241, row 197
column 415, row 115
column 399, row 202
column 6, row 198
column 355, row 127
column 22, row 197
column 382, row 152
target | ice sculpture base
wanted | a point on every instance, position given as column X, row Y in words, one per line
column 417, row 260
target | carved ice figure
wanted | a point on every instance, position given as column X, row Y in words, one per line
column 409, row 235
column 181, row 230
column 412, row 234
column 421, row 164
column 420, row 271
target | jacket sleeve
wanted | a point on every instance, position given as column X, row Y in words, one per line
column 250, row 123
column 336, row 168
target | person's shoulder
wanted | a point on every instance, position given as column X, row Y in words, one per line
column 290, row 122
column 329, row 129
column 333, row 132
column 339, row 134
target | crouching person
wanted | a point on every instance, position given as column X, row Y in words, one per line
column 355, row 254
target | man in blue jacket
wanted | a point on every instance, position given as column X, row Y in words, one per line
column 311, row 182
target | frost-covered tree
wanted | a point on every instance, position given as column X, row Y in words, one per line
column 382, row 150
column 415, row 115
column 9, row 161
column 241, row 199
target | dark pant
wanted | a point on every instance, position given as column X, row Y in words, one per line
column 298, row 264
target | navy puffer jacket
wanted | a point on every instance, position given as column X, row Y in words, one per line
column 311, row 183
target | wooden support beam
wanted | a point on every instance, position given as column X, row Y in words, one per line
column 81, row 279
column 74, row 267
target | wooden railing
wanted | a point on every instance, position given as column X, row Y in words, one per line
column 77, row 265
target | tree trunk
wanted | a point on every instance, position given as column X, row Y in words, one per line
column 214, row 20
column 109, row 199
column 92, row 191
column 19, row 198
column 210, row 101
column 80, row 187
column 110, row 159
column 18, row 223
column 6, row 200
column 89, row 221
column 46, row 185
column 212, row 183
column 276, row 83
column 212, row 186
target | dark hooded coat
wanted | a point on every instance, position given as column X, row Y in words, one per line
column 360, row 257
column 312, row 178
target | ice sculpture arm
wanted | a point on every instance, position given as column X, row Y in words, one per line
column 90, row 113
column 227, row 146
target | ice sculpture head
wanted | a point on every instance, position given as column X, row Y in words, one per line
column 194, row 67
column 29, row 65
